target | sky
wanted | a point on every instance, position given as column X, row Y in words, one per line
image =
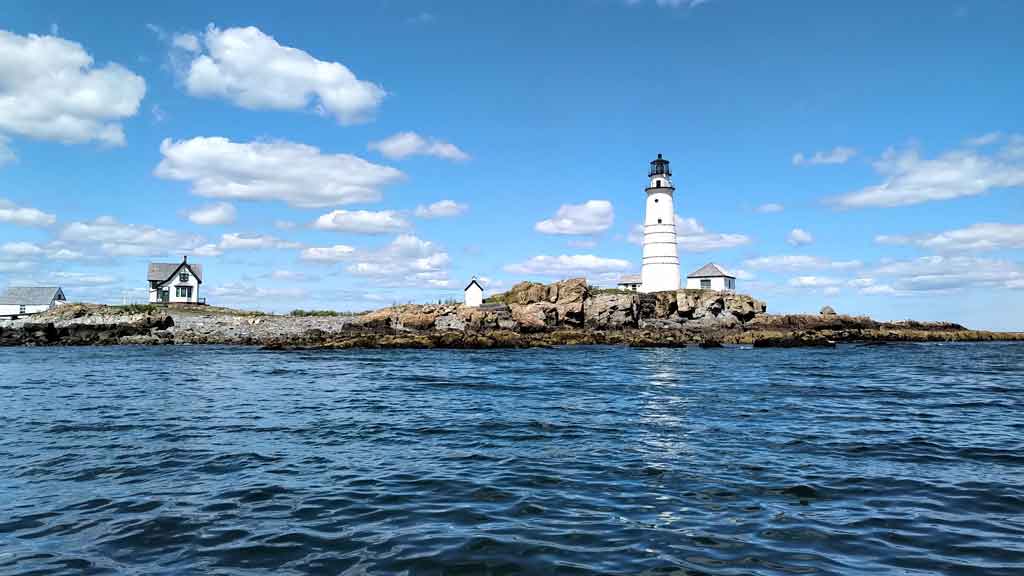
column 347, row 156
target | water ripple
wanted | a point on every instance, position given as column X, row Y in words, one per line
column 863, row 459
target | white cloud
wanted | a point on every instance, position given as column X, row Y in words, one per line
column 84, row 279
column 983, row 140
column 441, row 209
column 814, row 281
column 831, row 290
column 975, row 238
column 406, row 260
column 14, row 266
column 770, row 208
column 692, row 237
column 12, row 214
column 250, row 68
column 911, row 179
column 187, row 42
column 116, row 239
column 219, row 213
column 799, row 237
column 567, row 265
column 362, row 221
column 279, row 170
column 328, row 253
column 284, row 224
column 591, row 217
column 948, row 273
column 788, row 263
column 21, row 249
column 288, row 275
column 406, row 144
column 208, row 250
column 236, row 241
column 65, row 254
column 7, row 156
column 239, row 291
column 838, row 155
column 49, row 90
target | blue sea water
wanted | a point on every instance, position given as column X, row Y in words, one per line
column 900, row 459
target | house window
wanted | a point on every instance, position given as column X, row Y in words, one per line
column 705, row 283
column 730, row 283
column 21, row 309
column 183, row 277
column 183, row 291
column 659, row 220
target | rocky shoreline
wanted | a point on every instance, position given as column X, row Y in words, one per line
column 528, row 315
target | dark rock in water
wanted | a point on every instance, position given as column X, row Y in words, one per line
column 710, row 344
column 794, row 340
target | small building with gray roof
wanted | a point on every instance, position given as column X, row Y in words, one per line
column 711, row 276
column 19, row 301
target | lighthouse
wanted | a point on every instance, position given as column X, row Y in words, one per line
column 660, row 270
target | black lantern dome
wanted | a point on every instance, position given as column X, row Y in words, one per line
column 659, row 166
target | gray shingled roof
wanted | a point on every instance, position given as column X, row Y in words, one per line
column 629, row 279
column 161, row 271
column 710, row 270
column 30, row 295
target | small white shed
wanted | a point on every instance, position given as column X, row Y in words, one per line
column 474, row 294
column 711, row 276
column 24, row 300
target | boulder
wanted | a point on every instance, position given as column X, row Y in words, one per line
column 533, row 317
column 611, row 311
column 450, row 322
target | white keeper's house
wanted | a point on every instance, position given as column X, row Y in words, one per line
column 175, row 283
column 711, row 276
column 24, row 300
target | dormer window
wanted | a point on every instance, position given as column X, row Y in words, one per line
column 183, row 277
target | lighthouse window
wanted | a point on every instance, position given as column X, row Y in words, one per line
column 657, row 183
column 659, row 220
column 655, row 200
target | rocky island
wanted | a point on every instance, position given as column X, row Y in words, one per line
column 531, row 314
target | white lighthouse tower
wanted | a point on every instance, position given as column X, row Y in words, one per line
column 660, row 270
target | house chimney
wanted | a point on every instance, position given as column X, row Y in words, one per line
column 185, row 259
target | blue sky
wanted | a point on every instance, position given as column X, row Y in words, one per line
column 328, row 155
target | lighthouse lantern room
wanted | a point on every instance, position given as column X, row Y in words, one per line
column 660, row 271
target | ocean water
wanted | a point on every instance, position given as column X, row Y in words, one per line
column 900, row 459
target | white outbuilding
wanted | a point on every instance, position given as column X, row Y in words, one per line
column 630, row 282
column 176, row 283
column 474, row 294
column 711, row 276
column 22, row 300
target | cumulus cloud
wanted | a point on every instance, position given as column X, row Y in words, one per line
column 7, row 156
column 788, row 263
column 362, row 221
column 838, row 155
column 565, row 265
column 50, row 90
column 13, row 214
column 406, row 260
column 236, row 241
column 334, row 253
column 770, row 208
column 20, row 249
column 799, row 237
column 814, row 281
column 591, row 217
column 948, row 273
column 251, row 69
column 84, row 279
column 692, row 237
column 14, row 266
column 244, row 292
column 294, row 173
column 911, row 179
column 406, row 144
column 219, row 213
column 114, row 238
column 975, row 238
column 441, row 209
column 983, row 140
